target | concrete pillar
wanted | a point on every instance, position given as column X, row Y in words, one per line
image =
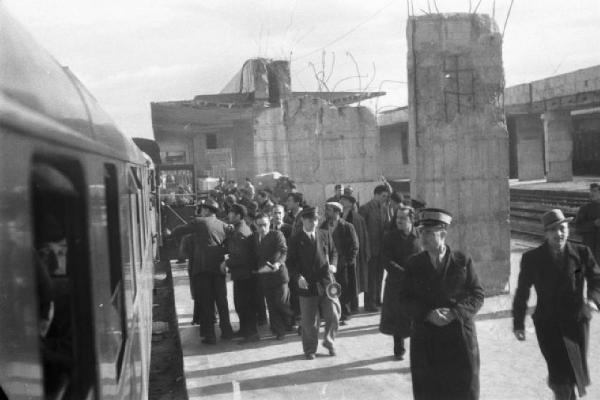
column 530, row 146
column 558, row 137
column 458, row 133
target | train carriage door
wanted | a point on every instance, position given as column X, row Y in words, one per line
column 67, row 344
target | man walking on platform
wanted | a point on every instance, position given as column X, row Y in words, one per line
column 312, row 261
column 209, row 235
column 241, row 266
column 346, row 244
column 559, row 272
column 587, row 221
column 270, row 249
column 377, row 217
column 442, row 295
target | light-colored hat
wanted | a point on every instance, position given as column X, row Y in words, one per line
column 553, row 218
column 335, row 205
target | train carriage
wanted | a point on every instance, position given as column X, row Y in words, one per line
column 79, row 325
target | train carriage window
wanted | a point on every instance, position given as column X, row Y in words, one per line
column 63, row 279
column 117, row 289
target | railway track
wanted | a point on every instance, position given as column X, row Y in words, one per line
column 528, row 206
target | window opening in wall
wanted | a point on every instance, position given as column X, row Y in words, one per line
column 211, row 141
column 117, row 289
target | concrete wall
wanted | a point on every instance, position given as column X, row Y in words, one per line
column 394, row 158
column 460, row 140
column 270, row 142
column 328, row 145
column 530, row 146
column 558, row 133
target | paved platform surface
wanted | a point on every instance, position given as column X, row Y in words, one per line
column 363, row 368
column 578, row 184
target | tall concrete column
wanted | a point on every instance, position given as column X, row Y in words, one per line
column 558, row 137
column 530, row 146
column 458, row 134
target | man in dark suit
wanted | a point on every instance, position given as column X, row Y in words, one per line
column 312, row 261
column 271, row 250
column 442, row 295
column 558, row 270
column 346, row 244
column 242, row 268
column 377, row 216
column 209, row 235
column 277, row 223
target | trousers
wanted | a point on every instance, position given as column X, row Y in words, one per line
column 278, row 304
column 312, row 308
column 245, row 299
column 213, row 290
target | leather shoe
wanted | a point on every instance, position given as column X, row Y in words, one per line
column 331, row 349
column 209, row 340
column 250, row 339
column 281, row 336
column 310, row 356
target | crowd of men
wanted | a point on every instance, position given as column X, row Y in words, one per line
column 306, row 267
column 285, row 259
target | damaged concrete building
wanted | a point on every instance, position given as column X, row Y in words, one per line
column 258, row 125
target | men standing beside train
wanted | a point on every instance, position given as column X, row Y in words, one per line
column 442, row 294
column 209, row 251
column 361, row 277
column 587, row 221
column 346, row 244
column 241, row 267
column 559, row 271
column 312, row 261
column 376, row 215
column 270, row 250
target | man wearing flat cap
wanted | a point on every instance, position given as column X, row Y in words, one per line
column 209, row 234
column 312, row 261
column 346, row 244
column 442, row 295
column 559, row 271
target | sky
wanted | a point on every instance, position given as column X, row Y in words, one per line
column 129, row 53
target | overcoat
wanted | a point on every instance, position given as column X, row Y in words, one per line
column 376, row 217
column 209, row 236
column 272, row 248
column 444, row 360
column 584, row 224
column 311, row 260
column 364, row 249
column 397, row 247
column 561, row 316
column 346, row 244
column 239, row 246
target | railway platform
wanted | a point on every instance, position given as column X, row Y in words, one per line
column 364, row 367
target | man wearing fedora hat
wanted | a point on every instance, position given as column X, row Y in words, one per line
column 209, row 235
column 558, row 270
column 442, row 294
column 346, row 244
column 312, row 260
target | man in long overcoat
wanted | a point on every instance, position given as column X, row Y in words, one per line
column 587, row 221
column 352, row 216
column 442, row 295
column 377, row 217
column 209, row 236
column 558, row 270
column 346, row 244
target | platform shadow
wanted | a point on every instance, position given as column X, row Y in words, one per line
column 349, row 370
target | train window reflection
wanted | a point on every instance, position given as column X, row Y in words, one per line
column 63, row 281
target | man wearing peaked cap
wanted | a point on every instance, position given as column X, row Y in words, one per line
column 558, row 270
column 312, row 259
column 442, row 295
